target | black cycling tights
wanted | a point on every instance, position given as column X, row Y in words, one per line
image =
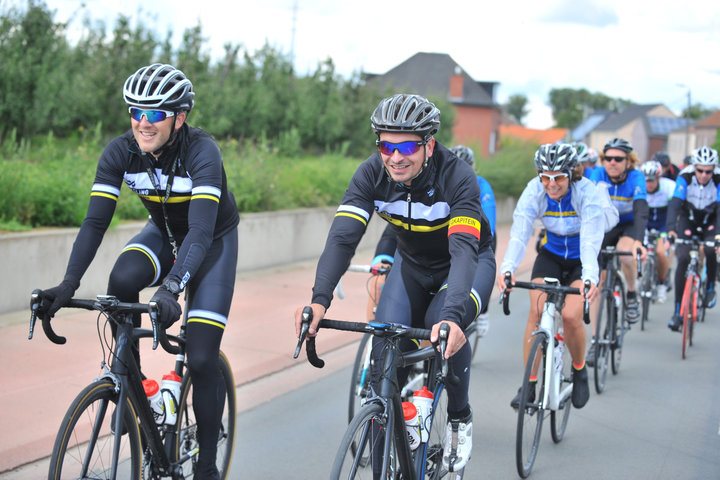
column 683, row 260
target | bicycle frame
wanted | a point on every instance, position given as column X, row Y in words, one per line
column 553, row 396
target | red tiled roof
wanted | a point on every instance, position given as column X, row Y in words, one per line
column 551, row 135
column 712, row 120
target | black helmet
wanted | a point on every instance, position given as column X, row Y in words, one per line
column 662, row 158
column 159, row 86
column 464, row 153
column 618, row 143
column 555, row 157
column 406, row 114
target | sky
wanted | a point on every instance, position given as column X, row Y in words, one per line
column 648, row 52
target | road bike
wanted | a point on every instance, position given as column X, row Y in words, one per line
column 550, row 363
column 360, row 373
column 376, row 443
column 692, row 305
column 648, row 285
column 110, row 431
column 612, row 324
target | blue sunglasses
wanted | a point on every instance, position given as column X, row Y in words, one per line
column 151, row 116
column 405, row 148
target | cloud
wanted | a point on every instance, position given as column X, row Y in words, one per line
column 581, row 13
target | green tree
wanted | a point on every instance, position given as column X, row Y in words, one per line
column 516, row 107
column 696, row 111
column 570, row 106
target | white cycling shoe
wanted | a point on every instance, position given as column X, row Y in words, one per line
column 458, row 444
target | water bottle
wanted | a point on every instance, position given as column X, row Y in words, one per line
column 411, row 424
column 170, row 388
column 152, row 391
column 618, row 298
column 423, row 400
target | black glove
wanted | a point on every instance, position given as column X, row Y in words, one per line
column 168, row 307
column 57, row 297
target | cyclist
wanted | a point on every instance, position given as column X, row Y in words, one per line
column 659, row 192
column 444, row 260
column 695, row 204
column 626, row 186
column 385, row 250
column 190, row 239
column 670, row 170
column 587, row 158
column 571, row 208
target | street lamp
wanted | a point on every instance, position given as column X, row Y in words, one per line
column 687, row 119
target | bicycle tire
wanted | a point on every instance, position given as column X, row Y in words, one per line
column 360, row 377
column 620, row 327
column 685, row 312
column 646, row 289
column 432, row 466
column 530, row 413
column 90, row 415
column 371, row 431
column 472, row 337
column 603, row 339
column 702, row 291
column 559, row 418
column 186, row 440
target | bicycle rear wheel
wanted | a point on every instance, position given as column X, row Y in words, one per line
column 603, row 339
column 367, row 440
column 84, row 444
column 186, row 442
column 530, row 411
column 360, row 377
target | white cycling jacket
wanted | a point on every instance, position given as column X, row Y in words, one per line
column 575, row 225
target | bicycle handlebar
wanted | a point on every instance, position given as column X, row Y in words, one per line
column 377, row 329
column 106, row 304
column 373, row 269
column 554, row 287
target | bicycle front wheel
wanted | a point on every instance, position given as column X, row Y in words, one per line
column 621, row 326
column 367, row 441
column 84, row 445
column 186, row 442
column 603, row 339
column 685, row 306
column 360, row 377
column 559, row 418
column 646, row 289
column 432, row 466
column 530, row 411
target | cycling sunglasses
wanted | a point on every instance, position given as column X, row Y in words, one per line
column 614, row 159
column 558, row 178
column 152, row 116
column 704, row 172
column 405, row 148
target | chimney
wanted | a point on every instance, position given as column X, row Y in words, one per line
column 456, row 83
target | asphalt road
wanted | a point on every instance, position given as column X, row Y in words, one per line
column 657, row 419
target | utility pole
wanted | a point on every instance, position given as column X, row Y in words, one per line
column 292, row 34
column 687, row 120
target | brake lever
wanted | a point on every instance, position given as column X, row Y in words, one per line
column 307, row 315
column 586, row 307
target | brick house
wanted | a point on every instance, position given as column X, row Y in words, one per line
column 683, row 140
column 477, row 114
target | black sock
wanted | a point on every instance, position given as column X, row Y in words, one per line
column 462, row 414
column 630, row 295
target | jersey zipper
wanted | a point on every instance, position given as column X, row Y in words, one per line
column 409, row 207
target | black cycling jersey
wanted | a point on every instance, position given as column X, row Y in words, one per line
column 199, row 207
column 438, row 221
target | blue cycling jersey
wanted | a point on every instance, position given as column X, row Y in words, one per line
column 487, row 200
column 623, row 194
